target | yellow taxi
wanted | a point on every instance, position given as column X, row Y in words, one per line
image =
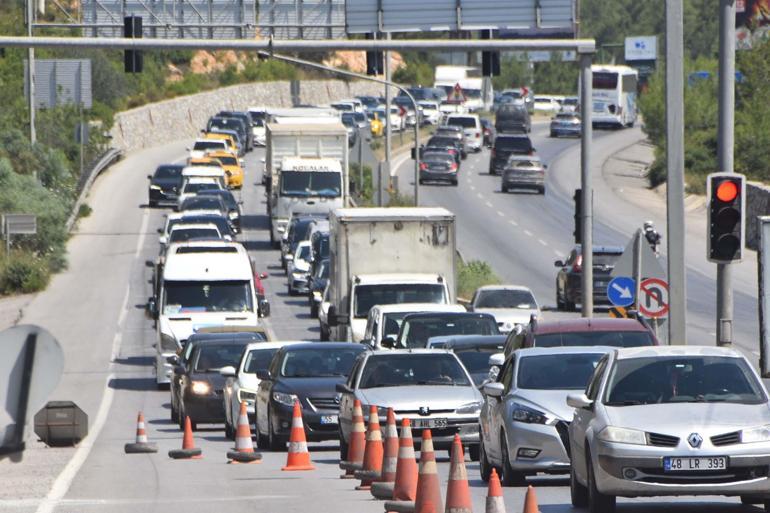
column 232, row 166
column 226, row 137
column 377, row 126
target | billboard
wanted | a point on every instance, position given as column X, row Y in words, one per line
column 752, row 23
column 641, row 48
column 60, row 82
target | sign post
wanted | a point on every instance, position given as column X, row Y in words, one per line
column 18, row 224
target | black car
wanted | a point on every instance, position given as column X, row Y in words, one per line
column 308, row 373
column 513, row 117
column 247, row 121
column 505, row 146
column 349, row 120
column 489, row 132
column 165, row 184
column 370, row 102
column 474, row 351
column 228, row 123
column 442, row 143
column 232, row 205
column 318, row 281
column 200, row 384
column 569, row 277
column 203, row 203
column 417, row 329
column 455, row 132
column 438, row 166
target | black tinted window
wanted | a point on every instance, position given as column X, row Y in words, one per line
column 595, row 338
column 513, row 143
column 168, row 172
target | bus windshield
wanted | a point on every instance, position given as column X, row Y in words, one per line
column 304, row 183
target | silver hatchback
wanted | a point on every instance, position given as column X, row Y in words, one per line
column 670, row 420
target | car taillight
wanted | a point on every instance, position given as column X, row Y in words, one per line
column 478, row 135
column 453, row 166
column 578, row 265
column 452, row 152
column 423, row 166
column 531, row 152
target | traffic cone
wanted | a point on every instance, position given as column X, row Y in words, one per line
column 244, row 448
column 428, row 486
column 372, row 453
column 530, row 501
column 405, row 487
column 141, row 446
column 427, row 507
column 458, row 494
column 188, row 450
column 298, row 457
column 356, row 444
column 495, row 502
column 383, row 487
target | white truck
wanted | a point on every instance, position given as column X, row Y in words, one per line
column 381, row 256
column 476, row 89
column 307, row 172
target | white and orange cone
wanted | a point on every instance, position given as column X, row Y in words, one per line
column 298, row 457
column 383, row 487
column 244, row 448
column 530, row 501
column 495, row 503
column 372, row 453
column 458, row 493
column 356, row 444
column 428, row 486
column 141, row 445
column 188, row 450
column 405, row 487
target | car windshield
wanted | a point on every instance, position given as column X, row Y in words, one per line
column 595, row 338
column 298, row 230
column 227, row 197
column 463, row 121
column 505, row 298
column 359, row 116
column 476, row 360
column 349, row 120
column 524, row 163
column 416, row 332
column 412, row 369
column 228, row 161
column 210, row 144
column 682, row 379
column 194, row 233
column 566, row 117
column 557, row 371
column 319, row 363
column 438, row 157
column 311, row 183
column 202, row 203
column 206, row 296
column 322, row 271
column 602, row 259
column 442, row 141
column 304, row 252
column 366, row 296
column 472, row 94
column 212, row 357
column 258, row 359
column 166, row 172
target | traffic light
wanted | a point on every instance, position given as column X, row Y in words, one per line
column 375, row 61
column 578, row 231
column 490, row 61
column 726, row 216
column 133, row 60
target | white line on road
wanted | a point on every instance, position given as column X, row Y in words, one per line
column 541, row 241
column 556, row 253
column 489, row 204
column 472, row 187
column 500, row 214
column 514, row 223
column 479, row 195
column 528, row 233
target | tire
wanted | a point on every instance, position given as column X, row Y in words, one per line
column 274, row 442
column 509, row 476
column 174, row 412
column 767, row 506
column 541, row 190
column 749, row 500
column 577, row 492
column 559, row 303
column 454, row 182
column 570, row 306
column 291, row 291
column 262, row 441
column 485, row 467
column 153, row 204
column 474, row 452
column 597, row 501
column 505, row 190
column 324, row 335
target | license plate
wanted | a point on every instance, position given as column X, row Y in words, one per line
column 672, row 464
column 429, row 423
column 329, row 419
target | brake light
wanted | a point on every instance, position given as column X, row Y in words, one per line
column 531, row 152
column 452, row 152
column 453, row 167
column 423, row 166
column 478, row 135
column 578, row 265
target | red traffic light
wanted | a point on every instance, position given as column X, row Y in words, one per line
column 727, row 191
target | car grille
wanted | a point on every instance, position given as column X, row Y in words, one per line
column 658, row 475
column 563, row 429
column 417, row 412
column 662, row 440
column 726, row 438
column 324, row 403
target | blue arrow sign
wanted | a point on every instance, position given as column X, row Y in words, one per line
column 621, row 290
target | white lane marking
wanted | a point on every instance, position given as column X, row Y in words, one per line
column 489, row 204
column 21, row 503
column 472, row 187
column 556, row 253
column 541, row 241
column 528, row 233
column 500, row 214
column 479, row 195
column 514, row 223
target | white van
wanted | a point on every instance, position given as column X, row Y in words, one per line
column 471, row 125
column 384, row 321
column 203, row 146
column 204, row 283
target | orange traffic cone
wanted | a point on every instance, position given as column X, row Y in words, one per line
column 427, row 507
column 458, row 494
column 356, row 444
column 530, row 501
column 428, row 486
column 495, row 502
column 188, row 450
column 141, row 445
column 298, row 457
column 405, row 487
column 383, row 487
column 372, row 453
column 244, row 449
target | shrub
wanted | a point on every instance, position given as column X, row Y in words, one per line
column 472, row 275
column 22, row 273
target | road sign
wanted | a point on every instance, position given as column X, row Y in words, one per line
column 401, row 111
column 456, row 95
column 19, row 224
column 621, row 290
column 618, row 312
column 650, row 267
column 653, row 298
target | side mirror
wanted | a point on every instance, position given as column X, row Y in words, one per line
column 149, row 263
column 187, row 149
column 558, row 263
column 228, row 238
column 240, row 202
column 159, row 230
column 343, row 388
column 173, row 360
column 331, row 316
column 264, row 308
column 494, row 389
column 262, row 276
column 228, row 371
column 579, row 401
column 388, row 342
column 241, row 162
column 497, row 360
column 163, row 240
column 263, row 374
column 262, row 160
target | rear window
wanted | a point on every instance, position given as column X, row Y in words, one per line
column 513, row 143
column 465, row 122
column 211, row 144
column 606, row 258
column 442, row 141
column 595, row 338
column 605, row 80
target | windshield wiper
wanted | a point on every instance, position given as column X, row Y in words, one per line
column 625, row 403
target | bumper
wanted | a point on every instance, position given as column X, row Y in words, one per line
column 532, row 183
column 571, row 132
column 552, row 456
column 315, row 429
column 438, row 176
column 745, row 474
column 206, row 409
column 235, row 180
column 299, row 286
column 163, row 197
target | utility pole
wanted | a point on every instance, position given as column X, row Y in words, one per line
column 31, row 73
column 725, row 145
column 387, row 109
column 586, row 104
column 675, row 162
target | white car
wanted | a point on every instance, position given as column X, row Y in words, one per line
column 203, row 146
column 192, row 185
column 395, row 117
column 546, row 104
column 384, row 321
column 471, row 125
column 430, row 112
column 298, row 267
column 511, row 305
column 242, row 382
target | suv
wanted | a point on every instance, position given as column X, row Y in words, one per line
column 568, row 280
column 505, row 146
column 581, row 332
column 513, row 117
column 471, row 125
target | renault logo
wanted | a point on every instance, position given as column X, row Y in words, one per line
column 424, row 410
column 694, row 440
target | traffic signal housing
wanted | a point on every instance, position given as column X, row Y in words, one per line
column 133, row 60
column 726, row 222
column 375, row 61
column 490, row 61
column 578, row 231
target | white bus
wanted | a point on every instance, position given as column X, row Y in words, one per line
column 614, row 95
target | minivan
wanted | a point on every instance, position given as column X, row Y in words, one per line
column 474, row 134
column 513, row 117
column 505, row 146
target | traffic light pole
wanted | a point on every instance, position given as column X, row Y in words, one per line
column 725, row 145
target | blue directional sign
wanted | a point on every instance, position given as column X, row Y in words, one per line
column 621, row 290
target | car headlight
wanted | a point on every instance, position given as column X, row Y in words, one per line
column 232, row 215
column 528, row 415
column 756, row 434
column 621, row 435
column 155, row 187
column 317, row 296
column 201, row 387
column 284, row 398
column 473, row 408
column 246, row 396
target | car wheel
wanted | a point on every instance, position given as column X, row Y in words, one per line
column 174, row 412
column 541, row 190
column 577, row 492
column 180, row 417
column 473, row 452
column 291, row 291
column 509, row 476
column 454, row 182
column 485, row 468
column 505, row 190
column 274, row 442
column 767, row 506
column 153, row 204
column 262, row 441
column 748, row 500
column 570, row 306
column 559, row 302
column 597, row 501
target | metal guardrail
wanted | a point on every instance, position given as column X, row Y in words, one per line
column 107, row 159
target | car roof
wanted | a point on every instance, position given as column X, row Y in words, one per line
column 418, row 350
column 603, row 249
column 428, row 315
column 273, row 345
column 328, row 345
column 504, row 287
column 660, row 351
column 589, row 324
column 225, row 337
column 472, row 341
column 193, row 226
column 541, row 351
column 419, row 308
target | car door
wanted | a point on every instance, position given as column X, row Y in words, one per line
column 264, row 390
column 496, row 413
column 583, row 416
column 347, row 399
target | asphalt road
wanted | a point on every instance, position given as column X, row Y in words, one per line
column 95, row 309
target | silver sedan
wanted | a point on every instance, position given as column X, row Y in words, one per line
column 524, row 420
column 670, row 420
